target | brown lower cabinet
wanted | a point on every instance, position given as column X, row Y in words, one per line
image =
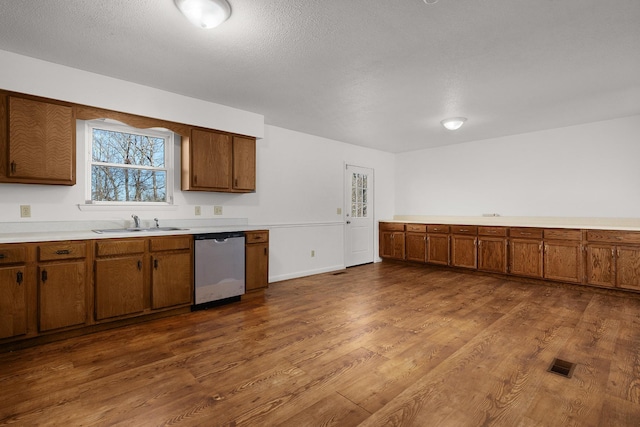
column 438, row 244
column 62, row 285
column 464, row 246
column 256, row 260
column 119, row 284
column 613, row 266
column 605, row 258
column 171, row 271
column 392, row 243
column 492, row 249
column 13, row 301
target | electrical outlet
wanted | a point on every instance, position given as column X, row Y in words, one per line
column 313, row 253
column 198, row 210
column 217, row 210
column 339, row 211
column 25, row 211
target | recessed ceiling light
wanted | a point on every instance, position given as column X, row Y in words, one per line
column 205, row 13
column 431, row 1
column 453, row 123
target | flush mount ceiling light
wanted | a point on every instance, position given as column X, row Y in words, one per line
column 454, row 122
column 205, row 13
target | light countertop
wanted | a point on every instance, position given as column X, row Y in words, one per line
column 623, row 224
column 58, row 231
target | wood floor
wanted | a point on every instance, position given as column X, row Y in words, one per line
column 382, row 344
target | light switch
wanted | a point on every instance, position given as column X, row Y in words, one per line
column 25, row 211
column 339, row 211
column 217, row 210
column 198, row 210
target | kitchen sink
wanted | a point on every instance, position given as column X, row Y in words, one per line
column 136, row 230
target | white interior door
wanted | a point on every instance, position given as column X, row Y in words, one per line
column 358, row 231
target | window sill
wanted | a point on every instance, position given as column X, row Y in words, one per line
column 98, row 207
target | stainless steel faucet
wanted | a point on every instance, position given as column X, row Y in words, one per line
column 136, row 221
column 157, row 223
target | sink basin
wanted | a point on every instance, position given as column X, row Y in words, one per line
column 136, row 230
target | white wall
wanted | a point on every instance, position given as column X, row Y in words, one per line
column 299, row 176
column 300, row 187
column 590, row 170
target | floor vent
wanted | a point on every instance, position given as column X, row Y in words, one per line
column 562, row 367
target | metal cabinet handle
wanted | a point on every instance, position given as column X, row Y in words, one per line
column 2, row 256
column 195, row 179
column 44, row 276
column 139, row 265
column 464, row 230
column 19, row 278
column 14, row 167
column 63, row 252
column 265, row 251
column 155, row 264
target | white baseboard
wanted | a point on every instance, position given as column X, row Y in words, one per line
column 298, row 274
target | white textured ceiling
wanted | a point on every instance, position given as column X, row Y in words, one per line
column 376, row 73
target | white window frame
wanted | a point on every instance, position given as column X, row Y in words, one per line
column 113, row 125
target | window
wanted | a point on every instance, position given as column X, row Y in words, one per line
column 129, row 165
column 359, row 202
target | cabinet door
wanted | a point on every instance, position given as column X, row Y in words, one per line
column 464, row 251
column 119, row 286
column 563, row 261
column 13, row 302
column 256, row 266
column 41, row 142
column 416, row 247
column 210, row 160
column 244, row 164
column 61, row 295
column 492, row 254
column 526, row 257
column 438, row 249
column 600, row 263
column 628, row 267
column 171, row 281
column 392, row 244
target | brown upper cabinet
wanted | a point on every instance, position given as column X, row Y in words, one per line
column 37, row 140
column 218, row 161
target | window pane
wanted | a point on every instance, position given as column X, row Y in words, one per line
column 129, row 149
column 115, row 184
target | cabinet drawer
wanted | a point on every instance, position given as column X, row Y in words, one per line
column 170, row 243
column 256, row 236
column 417, row 228
column 119, row 247
column 12, row 254
column 492, row 231
column 562, row 234
column 464, row 229
column 613, row 236
column 526, row 233
column 391, row 226
column 438, row 229
column 62, row 250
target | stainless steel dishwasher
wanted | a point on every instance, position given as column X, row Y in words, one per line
column 219, row 268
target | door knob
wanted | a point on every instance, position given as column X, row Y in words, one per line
column 348, row 222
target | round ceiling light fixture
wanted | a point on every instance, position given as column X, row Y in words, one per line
column 205, row 13
column 453, row 123
column 431, row 1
